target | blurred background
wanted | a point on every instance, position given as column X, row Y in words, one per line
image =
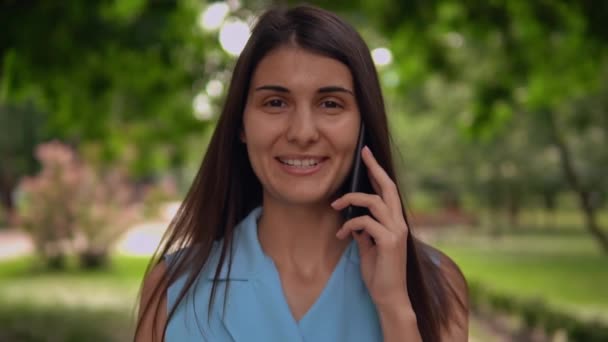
column 498, row 110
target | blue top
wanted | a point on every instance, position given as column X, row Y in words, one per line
column 256, row 308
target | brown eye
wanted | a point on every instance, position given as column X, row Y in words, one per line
column 331, row 104
column 275, row 103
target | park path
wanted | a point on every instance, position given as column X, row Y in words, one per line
column 14, row 243
column 139, row 240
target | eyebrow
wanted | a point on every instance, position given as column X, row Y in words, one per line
column 328, row 89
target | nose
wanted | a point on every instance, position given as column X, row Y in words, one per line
column 302, row 129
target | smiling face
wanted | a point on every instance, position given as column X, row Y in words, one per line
column 300, row 125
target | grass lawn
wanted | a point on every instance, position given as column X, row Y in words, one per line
column 562, row 267
column 76, row 306
column 68, row 306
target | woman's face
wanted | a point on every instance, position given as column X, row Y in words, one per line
column 301, row 123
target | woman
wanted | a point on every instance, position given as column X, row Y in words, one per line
column 259, row 250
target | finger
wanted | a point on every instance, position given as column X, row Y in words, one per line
column 364, row 241
column 374, row 203
column 372, row 227
column 387, row 188
column 375, row 185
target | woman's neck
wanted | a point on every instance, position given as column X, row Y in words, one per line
column 300, row 237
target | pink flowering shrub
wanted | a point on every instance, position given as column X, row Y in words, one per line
column 69, row 208
column 156, row 194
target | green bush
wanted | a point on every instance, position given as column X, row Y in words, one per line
column 536, row 313
column 69, row 207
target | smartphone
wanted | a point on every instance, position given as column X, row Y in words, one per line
column 359, row 180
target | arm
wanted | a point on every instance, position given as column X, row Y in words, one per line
column 399, row 323
column 151, row 326
column 381, row 242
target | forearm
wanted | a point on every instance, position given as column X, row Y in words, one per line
column 399, row 323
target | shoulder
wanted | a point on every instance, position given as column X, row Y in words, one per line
column 458, row 295
column 154, row 277
column 153, row 305
column 449, row 269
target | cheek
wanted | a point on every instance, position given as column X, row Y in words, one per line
column 254, row 153
column 258, row 138
column 347, row 140
column 252, row 129
column 347, row 165
column 259, row 141
column 256, row 149
column 348, row 145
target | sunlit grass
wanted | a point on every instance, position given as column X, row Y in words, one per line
column 72, row 305
column 561, row 265
column 35, row 323
column 565, row 268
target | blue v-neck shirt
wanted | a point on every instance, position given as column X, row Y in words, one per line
column 256, row 308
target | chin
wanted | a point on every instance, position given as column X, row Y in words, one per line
column 302, row 192
column 303, row 198
column 306, row 199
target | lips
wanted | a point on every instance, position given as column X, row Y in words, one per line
column 301, row 162
column 307, row 162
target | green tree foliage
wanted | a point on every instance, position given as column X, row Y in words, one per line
column 509, row 92
column 114, row 77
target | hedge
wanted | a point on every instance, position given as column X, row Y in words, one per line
column 535, row 313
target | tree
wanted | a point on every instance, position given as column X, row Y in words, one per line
column 538, row 60
column 117, row 75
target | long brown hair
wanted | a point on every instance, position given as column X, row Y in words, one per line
column 225, row 188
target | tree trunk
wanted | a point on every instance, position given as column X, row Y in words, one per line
column 93, row 259
column 549, row 201
column 583, row 194
column 6, row 197
column 513, row 210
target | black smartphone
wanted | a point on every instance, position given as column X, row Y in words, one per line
column 359, row 179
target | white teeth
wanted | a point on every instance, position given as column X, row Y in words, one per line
column 302, row 163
